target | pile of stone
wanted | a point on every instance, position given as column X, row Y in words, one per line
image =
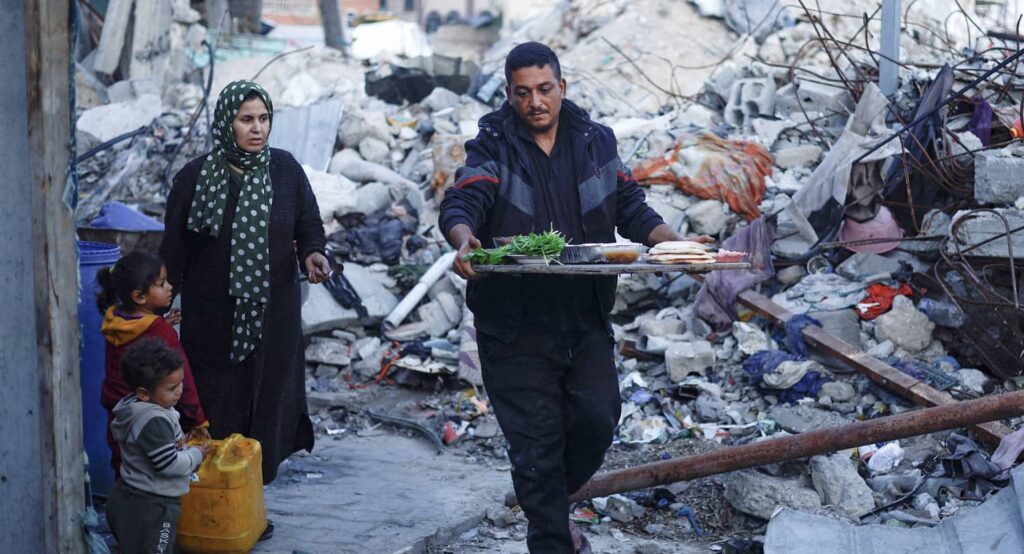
column 732, row 113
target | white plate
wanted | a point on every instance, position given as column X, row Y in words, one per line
column 529, row 260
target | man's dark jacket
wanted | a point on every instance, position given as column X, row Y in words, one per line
column 493, row 195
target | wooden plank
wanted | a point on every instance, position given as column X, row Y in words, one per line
column 151, row 41
column 55, row 267
column 606, row 269
column 115, row 25
column 882, row 373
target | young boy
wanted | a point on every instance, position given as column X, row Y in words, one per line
column 144, row 506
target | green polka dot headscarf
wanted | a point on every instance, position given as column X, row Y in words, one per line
column 249, row 277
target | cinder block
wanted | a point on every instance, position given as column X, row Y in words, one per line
column 998, row 177
column 750, row 99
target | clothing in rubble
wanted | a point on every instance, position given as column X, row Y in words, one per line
column 545, row 344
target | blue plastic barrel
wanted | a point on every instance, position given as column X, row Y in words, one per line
column 92, row 256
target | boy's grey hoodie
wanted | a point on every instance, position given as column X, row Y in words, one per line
column 150, row 458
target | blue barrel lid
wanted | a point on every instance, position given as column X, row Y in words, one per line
column 93, row 253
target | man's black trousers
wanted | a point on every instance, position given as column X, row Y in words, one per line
column 556, row 397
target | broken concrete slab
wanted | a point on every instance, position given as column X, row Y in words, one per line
column 372, row 198
column 837, row 391
column 434, row 315
column 984, row 226
column 100, row 124
column 997, row 176
column 804, row 155
column 335, row 194
column 320, row 312
column 359, row 124
column 758, row 494
column 324, row 350
column 350, row 164
column 801, row 418
column 130, row 90
column 836, row 479
column 439, row 99
column 374, row 150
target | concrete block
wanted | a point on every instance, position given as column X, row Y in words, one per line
column 102, row 123
column 836, row 479
column 374, row 150
column 434, row 315
column 905, row 326
column 986, row 226
column 997, row 177
column 797, row 156
column 439, row 99
column 684, row 358
column 130, row 90
column 757, row 494
column 328, row 351
column 335, row 194
column 320, row 312
column 451, row 304
column 372, row 197
column 750, row 99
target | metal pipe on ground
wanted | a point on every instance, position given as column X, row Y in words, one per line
column 882, row 373
column 909, row 424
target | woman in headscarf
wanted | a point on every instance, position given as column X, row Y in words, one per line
column 240, row 222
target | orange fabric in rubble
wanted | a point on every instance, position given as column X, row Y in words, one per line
column 879, row 300
column 732, row 171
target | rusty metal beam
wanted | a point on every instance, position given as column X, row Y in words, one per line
column 909, row 424
column 878, row 371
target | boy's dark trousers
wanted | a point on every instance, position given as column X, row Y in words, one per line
column 556, row 398
column 142, row 522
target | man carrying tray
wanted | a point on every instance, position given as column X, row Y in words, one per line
column 546, row 350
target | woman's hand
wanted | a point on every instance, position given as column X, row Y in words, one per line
column 318, row 268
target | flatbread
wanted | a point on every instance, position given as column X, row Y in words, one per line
column 681, row 247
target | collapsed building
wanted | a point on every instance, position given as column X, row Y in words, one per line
column 880, row 225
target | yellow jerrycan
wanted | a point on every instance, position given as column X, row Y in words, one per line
column 223, row 512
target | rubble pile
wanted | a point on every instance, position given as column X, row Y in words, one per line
column 754, row 122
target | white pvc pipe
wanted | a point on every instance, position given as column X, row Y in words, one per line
column 411, row 300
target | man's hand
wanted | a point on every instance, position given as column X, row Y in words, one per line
column 664, row 233
column 703, row 239
column 317, row 268
column 461, row 237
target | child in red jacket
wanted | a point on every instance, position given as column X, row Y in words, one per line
column 132, row 292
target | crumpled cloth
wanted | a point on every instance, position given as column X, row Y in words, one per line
column 879, row 300
column 968, row 460
column 1009, row 450
column 713, row 168
column 716, row 300
column 784, row 375
column 794, row 334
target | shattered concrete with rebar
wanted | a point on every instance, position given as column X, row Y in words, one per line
column 752, row 121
